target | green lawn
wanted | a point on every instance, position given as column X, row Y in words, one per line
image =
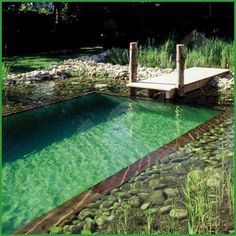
column 19, row 64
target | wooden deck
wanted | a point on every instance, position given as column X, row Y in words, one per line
column 194, row 78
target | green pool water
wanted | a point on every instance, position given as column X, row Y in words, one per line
column 53, row 153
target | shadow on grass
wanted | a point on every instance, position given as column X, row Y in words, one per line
column 20, row 64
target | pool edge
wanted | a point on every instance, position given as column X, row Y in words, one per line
column 43, row 223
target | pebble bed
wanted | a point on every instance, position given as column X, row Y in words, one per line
column 157, row 190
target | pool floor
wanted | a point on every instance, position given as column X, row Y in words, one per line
column 53, row 153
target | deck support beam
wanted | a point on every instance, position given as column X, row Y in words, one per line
column 180, row 61
column 133, row 66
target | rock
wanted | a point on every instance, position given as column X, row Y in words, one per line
column 105, row 204
column 100, row 220
column 86, row 213
column 99, row 86
column 135, row 201
column 170, row 192
column 66, row 229
column 165, row 209
column 156, row 197
column 89, row 224
column 125, row 187
column 137, row 185
column 156, row 184
column 56, row 230
column 75, row 229
column 178, row 213
column 143, row 196
column 111, row 199
column 145, row 206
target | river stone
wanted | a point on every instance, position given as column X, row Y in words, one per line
column 133, row 192
column 145, row 206
column 89, row 224
column 156, row 197
column 143, row 196
column 100, row 220
column 125, row 187
column 153, row 210
column 170, row 192
column 156, row 184
column 86, row 213
column 75, row 229
column 105, row 205
column 137, row 185
column 165, row 209
column 135, row 201
column 178, row 213
column 66, row 229
column 111, row 199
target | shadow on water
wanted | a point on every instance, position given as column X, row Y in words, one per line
column 31, row 131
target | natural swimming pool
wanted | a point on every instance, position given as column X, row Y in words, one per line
column 55, row 152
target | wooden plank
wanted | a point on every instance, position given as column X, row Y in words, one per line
column 168, row 82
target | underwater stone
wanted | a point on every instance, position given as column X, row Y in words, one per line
column 89, row 224
column 86, row 213
column 105, row 204
column 75, row 229
column 100, row 220
column 66, row 229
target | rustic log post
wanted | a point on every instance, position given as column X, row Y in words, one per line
column 133, row 66
column 180, row 68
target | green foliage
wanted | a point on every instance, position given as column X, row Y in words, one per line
column 162, row 56
column 204, row 199
column 28, row 7
column 210, row 53
column 5, row 74
column 201, row 51
column 118, row 56
column 5, row 71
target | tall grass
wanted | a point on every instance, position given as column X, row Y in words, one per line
column 5, row 73
column 204, row 203
column 200, row 51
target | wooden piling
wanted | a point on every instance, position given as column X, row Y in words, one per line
column 133, row 66
column 180, row 60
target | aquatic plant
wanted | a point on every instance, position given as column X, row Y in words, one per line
column 201, row 51
column 118, row 56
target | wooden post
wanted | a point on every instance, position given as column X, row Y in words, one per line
column 180, row 68
column 133, row 66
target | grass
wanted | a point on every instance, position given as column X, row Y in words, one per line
column 5, row 73
column 205, row 204
column 200, row 51
column 20, row 64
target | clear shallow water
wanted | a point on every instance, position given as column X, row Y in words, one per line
column 53, row 153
